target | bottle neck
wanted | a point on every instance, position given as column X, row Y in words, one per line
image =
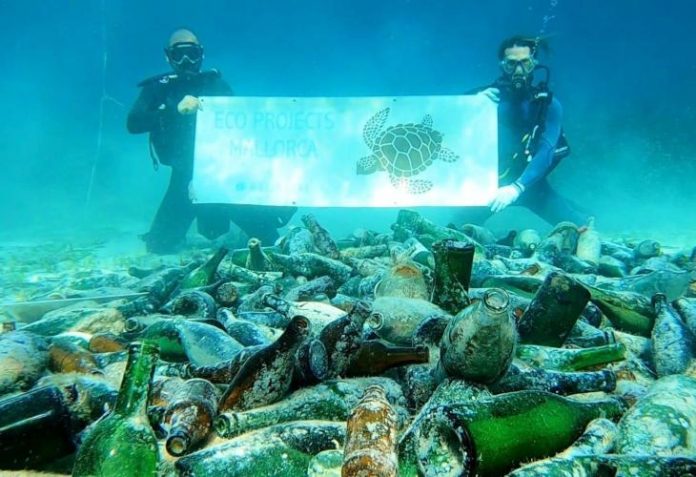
column 132, row 398
column 211, row 266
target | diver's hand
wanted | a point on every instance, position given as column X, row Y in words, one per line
column 189, row 105
column 491, row 93
column 505, row 196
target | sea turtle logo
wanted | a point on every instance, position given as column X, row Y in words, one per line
column 403, row 151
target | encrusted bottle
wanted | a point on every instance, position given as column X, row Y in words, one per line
column 490, row 436
column 673, row 343
column 266, row 376
column 570, row 359
column 281, row 450
column 453, row 264
column 256, row 259
column 521, row 376
column 189, row 416
column 330, row 400
column 23, row 358
column 371, row 437
column 479, row 343
column 320, row 237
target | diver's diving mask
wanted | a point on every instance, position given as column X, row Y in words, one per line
column 510, row 66
column 181, row 54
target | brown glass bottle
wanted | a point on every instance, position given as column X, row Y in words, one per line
column 371, row 437
column 189, row 417
column 374, row 357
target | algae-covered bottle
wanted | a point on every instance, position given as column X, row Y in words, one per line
column 123, row 443
column 553, row 311
column 331, row 400
column 522, row 376
column 672, row 341
column 490, row 436
column 266, row 376
column 479, row 343
column 205, row 274
column 453, row 265
column 568, row 359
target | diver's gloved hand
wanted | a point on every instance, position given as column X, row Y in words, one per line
column 189, row 105
column 491, row 93
column 505, row 196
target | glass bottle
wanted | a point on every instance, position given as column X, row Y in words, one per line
column 371, row 437
column 569, row 359
column 479, row 343
column 553, row 311
column 205, row 274
column 453, row 265
column 122, row 443
column 490, row 436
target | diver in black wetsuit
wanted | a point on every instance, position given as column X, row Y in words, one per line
column 531, row 141
column 166, row 108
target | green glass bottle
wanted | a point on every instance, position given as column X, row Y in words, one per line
column 490, row 436
column 577, row 459
column 627, row 311
column 123, row 443
column 567, row 359
column 205, row 274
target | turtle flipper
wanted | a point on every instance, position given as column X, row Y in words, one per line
column 367, row 165
column 427, row 121
column 413, row 186
column 374, row 125
column 447, row 155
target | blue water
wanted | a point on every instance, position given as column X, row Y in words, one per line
column 624, row 71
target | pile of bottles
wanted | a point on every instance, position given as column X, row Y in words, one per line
column 427, row 351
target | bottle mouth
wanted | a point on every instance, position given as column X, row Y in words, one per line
column 132, row 325
column 225, row 425
column 496, row 299
column 177, row 444
column 444, row 442
column 318, row 360
column 375, row 320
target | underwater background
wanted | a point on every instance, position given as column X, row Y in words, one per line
column 624, row 71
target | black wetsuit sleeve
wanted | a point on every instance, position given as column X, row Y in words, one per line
column 542, row 160
column 145, row 114
column 219, row 87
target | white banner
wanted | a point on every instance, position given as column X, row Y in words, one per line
column 346, row 152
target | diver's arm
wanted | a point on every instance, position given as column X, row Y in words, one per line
column 144, row 116
column 542, row 160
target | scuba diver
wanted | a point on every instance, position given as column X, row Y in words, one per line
column 531, row 142
column 166, row 109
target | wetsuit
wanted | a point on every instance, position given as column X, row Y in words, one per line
column 517, row 116
column 172, row 141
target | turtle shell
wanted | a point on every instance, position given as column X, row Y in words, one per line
column 405, row 150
